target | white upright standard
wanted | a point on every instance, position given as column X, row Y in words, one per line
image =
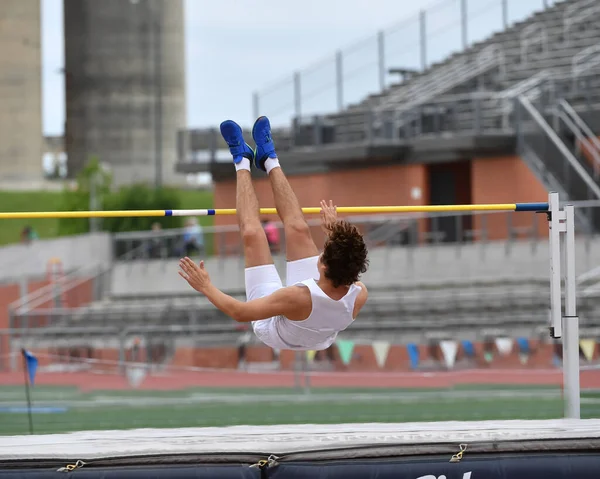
column 564, row 324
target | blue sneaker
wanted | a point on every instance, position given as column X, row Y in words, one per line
column 265, row 148
column 234, row 137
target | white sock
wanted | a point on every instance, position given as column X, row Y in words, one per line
column 242, row 165
column 271, row 163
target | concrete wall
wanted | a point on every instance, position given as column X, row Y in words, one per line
column 395, row 266
column 20, row 91
column 18, row 261
column 125, row 81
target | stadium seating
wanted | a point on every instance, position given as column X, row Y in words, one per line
column 406, row 312
column 560, row 41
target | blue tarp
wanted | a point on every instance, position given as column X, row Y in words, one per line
column 564, row 466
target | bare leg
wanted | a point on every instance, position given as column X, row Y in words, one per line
column 298, row 239
column 254, row 239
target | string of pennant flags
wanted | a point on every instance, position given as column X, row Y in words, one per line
column 450, row 349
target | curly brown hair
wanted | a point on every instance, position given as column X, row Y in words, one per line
column 344, row 254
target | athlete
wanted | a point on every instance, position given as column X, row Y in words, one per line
column 323, row 294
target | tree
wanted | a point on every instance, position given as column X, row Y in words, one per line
column 142, row 197
column 79, row 198
column 135, row 197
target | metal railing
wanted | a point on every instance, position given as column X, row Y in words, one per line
column 405, row 230
column 415, row 230
column 559, row 169
column 574, row 175
column 587, row 141
column 412, row 46
column 476, row 112
column 569, row 69
column 457, row 72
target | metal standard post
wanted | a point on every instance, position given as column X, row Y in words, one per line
column 297, row 370
column 11, row 324
column 159, row 114
column 255, row 106
column 297, row 95
column 570, row 322
column 381, row 53
column 339, row 80
column 505, row 13
column 464, row 21
column 423, row 35
column 555, row 277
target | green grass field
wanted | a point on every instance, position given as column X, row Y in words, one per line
column 51, row 201
column 220, row 407
column 28, row 201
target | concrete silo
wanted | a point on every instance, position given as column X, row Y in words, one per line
column 125, row 86
column 21, row 139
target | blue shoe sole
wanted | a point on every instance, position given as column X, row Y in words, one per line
column 250, row 153
column 260, row 166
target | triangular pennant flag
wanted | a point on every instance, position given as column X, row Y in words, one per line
column 413, row 355
column 381, row 349
column 587, row 347
column 449, row 349
column 310, row 355
column 31, row 362
column 345, row 348
column 523, row 344
column 557, row 361
column 523, row 357
column 504, row 345
column 488, row 356
column 468, row 348
column 135, row 375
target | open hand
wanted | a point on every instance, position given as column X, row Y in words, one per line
column 328, row 215
column 195, row 274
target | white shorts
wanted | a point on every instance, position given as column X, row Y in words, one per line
column 264, row 280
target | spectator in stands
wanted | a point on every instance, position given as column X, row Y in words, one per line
column 272, row 232
column 193, row 237
column 324, row 294
column 157, row 244
column 28, row 234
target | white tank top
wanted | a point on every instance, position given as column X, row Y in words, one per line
column 327, row 318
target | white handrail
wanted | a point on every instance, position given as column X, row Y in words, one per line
column 575, row 14
column 443, row 79
column 585, row 60
column 567, row 121
column 527, row 38
column 580, row 123
column 570, row 121
column 539, row 119
column 526, row 85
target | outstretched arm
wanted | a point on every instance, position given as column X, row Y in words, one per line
column 281, row 303
column 285, row 301
column 328, row 216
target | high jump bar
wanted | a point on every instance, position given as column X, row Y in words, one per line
column 535, row 207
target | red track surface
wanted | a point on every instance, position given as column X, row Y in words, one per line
column 285, row 379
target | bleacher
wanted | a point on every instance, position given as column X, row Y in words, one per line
column 453, row 290
column 408, row 312
column 561, row 43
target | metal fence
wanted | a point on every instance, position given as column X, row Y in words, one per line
column 471, row 113
column 371, row 65
column 395, row 230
